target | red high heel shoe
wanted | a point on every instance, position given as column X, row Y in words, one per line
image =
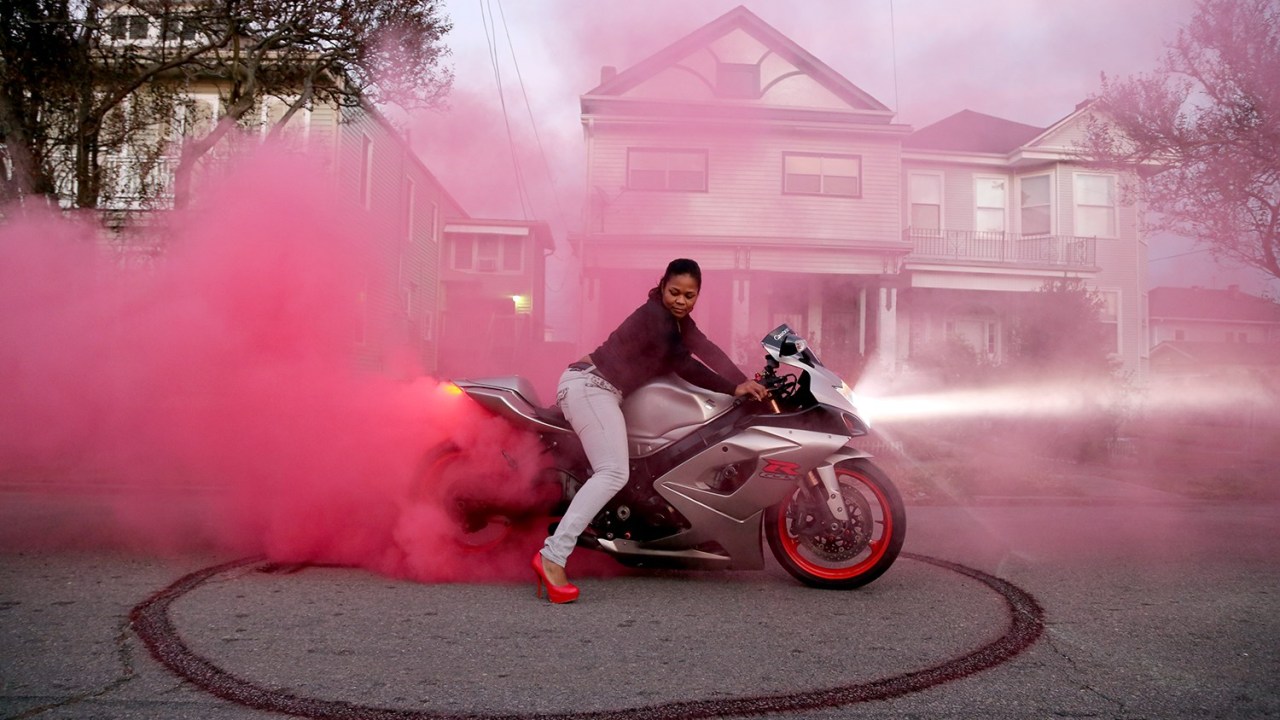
column 555, row 593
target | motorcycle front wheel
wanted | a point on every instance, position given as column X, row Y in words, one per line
column 823, row 554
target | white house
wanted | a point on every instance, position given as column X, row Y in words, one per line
column 805, row 202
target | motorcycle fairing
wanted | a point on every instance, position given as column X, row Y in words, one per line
column 729, row 521
column 515, row 399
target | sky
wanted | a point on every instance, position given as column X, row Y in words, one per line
column 1030, row 61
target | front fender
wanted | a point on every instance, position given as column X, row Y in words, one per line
column 826, row 474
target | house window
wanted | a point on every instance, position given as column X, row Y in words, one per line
column 667, row 169
column 1036, row 213
column 463, row 252
column 366, row 171
column 406, row 217
column 176, row 28
column 139, row 26
column 1095, row 205
column 822, row 175
column 132, row 27
column 511, row 254
column 989, row 203
column 1179, row 335
column 487, row 253
column 738, row 80
column 1109, row 314
column 925, row 193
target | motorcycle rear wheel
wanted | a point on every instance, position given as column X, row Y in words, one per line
column 447, row 478
column 805, row 545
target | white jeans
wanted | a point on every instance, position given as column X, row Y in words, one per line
column 593, row 407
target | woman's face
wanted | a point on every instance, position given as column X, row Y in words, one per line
column 680, row 294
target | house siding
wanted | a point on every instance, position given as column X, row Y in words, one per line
column 401, row 301
column 744, row 189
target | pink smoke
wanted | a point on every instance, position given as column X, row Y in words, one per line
column 213, row 391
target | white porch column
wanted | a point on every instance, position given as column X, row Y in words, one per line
column 740, row 330
column 813, row 333
column 887, row 339
column 862, row 322
column 589, row 327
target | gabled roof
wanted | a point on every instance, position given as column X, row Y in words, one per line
column 969, row 131
column 740, row 18
column 1196, row 303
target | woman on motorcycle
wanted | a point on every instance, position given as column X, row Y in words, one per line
column 657, row 339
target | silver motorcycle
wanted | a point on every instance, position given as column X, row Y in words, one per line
column 708, row 474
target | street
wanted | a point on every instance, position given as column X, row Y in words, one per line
column 1151, row 607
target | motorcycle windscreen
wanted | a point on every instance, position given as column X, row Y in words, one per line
column 785, row 342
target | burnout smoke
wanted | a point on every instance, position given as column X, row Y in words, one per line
column 210, row 395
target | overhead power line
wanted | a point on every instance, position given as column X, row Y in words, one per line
column 490, row 37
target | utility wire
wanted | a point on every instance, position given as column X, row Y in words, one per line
column 542, row 153
column 555, row 196
column 893, row 44
column 1178, row 255
column 491, row 38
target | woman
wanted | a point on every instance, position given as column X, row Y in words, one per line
column 657, row 339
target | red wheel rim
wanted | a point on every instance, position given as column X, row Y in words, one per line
column 877, row 545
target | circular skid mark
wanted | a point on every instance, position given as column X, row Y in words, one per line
column 150, row 620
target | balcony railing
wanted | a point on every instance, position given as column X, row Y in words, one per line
column 1001, row 247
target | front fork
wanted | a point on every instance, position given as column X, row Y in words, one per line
column 824, row 490
column 821, row 482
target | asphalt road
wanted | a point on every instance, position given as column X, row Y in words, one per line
column 1152, row 608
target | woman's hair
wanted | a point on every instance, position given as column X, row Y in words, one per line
column 679, row 266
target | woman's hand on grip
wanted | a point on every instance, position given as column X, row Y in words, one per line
column 752, row 389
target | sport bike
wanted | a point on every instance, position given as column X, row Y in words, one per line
column 709, row 473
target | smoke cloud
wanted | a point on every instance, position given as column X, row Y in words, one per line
column 207, row 398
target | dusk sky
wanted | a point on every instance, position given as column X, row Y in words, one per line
column 1029, row 61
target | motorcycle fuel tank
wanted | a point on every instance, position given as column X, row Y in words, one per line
column 666, row 410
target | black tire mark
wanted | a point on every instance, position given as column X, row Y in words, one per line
column 150, row 620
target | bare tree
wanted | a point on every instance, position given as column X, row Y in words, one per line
column 1207, row 122
column 87, row 81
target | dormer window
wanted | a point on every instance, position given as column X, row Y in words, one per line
column 738, row 80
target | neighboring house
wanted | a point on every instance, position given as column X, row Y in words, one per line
column 1197, row 314
column 1197, row 332
column 993, row 209
column 493, row 302
column 805, row 203
column 417, row 276
column 408, row 208
column 404, row 205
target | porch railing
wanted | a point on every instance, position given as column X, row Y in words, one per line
column 1002, row 247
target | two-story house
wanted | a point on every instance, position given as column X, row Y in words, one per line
column 805, row 203
column 427, row 298
column 993, row 209
column 736, row 147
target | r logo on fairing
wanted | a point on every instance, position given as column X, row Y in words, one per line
column 780, row 469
